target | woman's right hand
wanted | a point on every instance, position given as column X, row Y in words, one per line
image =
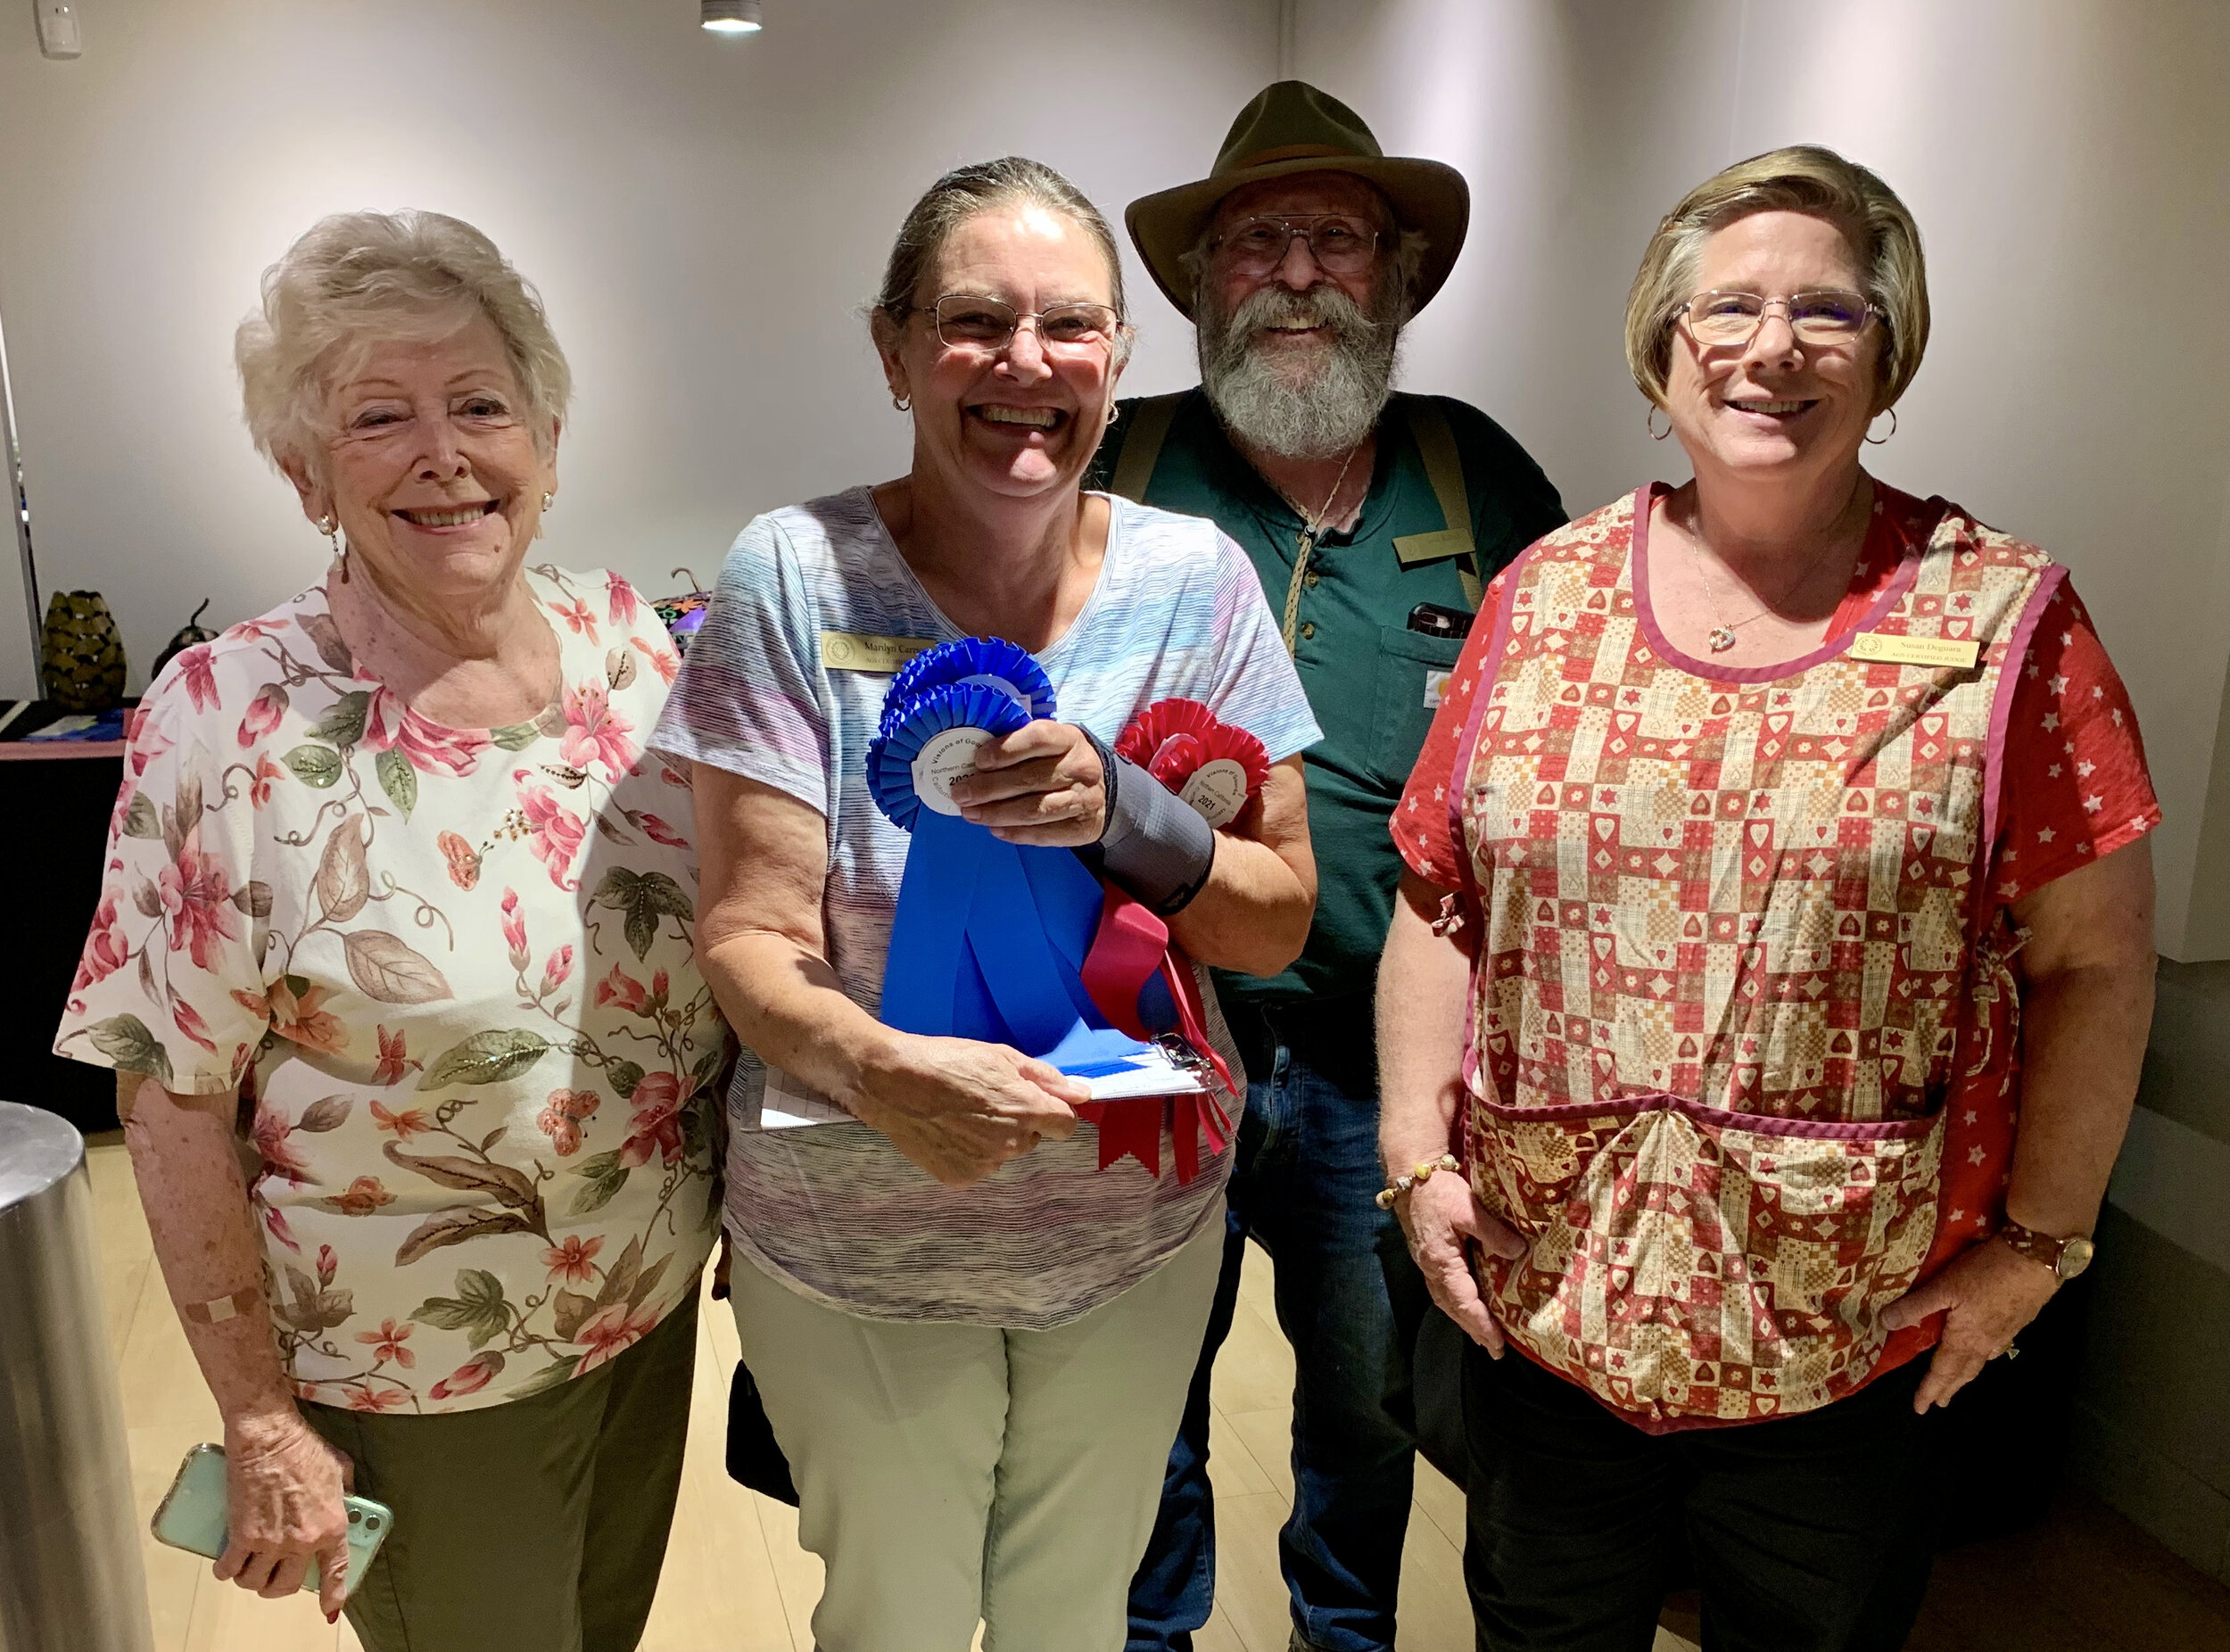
column 285, row 1485
column 960, row 1109
column 1437, row 1214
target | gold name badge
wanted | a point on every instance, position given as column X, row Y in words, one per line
column 1416, row 548
column 1886, row 650
column 852, row 650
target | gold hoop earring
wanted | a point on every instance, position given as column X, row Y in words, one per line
column 1649, row 422
column 1877, row 441
column 902, row 403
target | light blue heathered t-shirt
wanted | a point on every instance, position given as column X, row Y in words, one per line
column 835, row 1210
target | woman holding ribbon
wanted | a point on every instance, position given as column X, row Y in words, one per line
column 1791, row 973
column 972, row 1333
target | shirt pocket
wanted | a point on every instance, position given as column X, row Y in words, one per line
column 1411, row 678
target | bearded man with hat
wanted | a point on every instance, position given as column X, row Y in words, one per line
column 1374, row 520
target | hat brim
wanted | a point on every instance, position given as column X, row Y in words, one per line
column 1427, row 196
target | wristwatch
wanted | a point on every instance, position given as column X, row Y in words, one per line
column 2065, row 1257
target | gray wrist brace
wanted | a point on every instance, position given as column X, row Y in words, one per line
column 1154, row 847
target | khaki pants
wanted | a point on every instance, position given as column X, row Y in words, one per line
column 949, row 1473
column 535, row 1527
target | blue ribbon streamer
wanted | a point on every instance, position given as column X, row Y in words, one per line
column 989, row 938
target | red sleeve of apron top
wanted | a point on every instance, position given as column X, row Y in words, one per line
column 1421, row 826
column 2075, row 785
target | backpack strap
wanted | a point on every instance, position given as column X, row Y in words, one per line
column 1444, row 469
column 1149, row 423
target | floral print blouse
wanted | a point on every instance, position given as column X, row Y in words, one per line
column 450, row 971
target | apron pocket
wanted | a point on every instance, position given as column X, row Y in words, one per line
column 1688, row 1262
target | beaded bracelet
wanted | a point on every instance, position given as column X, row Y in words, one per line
column 1401, row 1184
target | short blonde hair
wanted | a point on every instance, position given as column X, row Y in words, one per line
column 1802, row 178
column 359, row 279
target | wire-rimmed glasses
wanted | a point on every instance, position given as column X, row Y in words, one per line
column 987, row 323
column 1723, row 318
column 1341, row 244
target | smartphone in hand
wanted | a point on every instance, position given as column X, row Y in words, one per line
column 195, row 1515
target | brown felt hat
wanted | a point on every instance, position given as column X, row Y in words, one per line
column 1292, row 127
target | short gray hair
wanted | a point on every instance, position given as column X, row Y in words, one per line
column 359, row 279
column 986, row 186
column 1804, row 178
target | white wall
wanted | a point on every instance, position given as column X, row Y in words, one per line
column 2069, row 161
column 704, row 218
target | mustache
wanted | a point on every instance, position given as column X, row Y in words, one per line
column 1323, row 306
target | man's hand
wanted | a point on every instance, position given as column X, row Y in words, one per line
column 1437, row 1214
column 1987, row 1296
column 1040, row 784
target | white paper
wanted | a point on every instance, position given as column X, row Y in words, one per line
column 788, row 1105
column 1152, row 1073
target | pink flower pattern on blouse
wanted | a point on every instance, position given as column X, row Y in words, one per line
column 481, row 1171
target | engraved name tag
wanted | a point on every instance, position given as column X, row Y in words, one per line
column 1416, row 548
column 851, row 650
column 1873, row 645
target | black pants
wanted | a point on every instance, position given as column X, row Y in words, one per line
column 1809, row 1534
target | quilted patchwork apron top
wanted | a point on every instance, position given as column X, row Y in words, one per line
column 1740, row 989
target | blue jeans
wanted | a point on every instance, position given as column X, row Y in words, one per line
column 1350, row 1301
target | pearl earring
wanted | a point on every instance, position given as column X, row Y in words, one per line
column 329, row 526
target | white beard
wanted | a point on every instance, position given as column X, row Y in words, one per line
column 1336, row 400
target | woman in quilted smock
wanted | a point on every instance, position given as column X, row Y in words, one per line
column 393, row 887
column 1776, row 955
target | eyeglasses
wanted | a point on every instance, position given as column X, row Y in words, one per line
column 1722, row 318
column 1341, row 245
column 988, row 322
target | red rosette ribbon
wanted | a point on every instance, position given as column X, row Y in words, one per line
column 1132, row 947
column 1211, row 765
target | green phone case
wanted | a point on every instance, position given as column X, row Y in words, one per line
column 193, row 1516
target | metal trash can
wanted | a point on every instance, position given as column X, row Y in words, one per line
column 71, row 1576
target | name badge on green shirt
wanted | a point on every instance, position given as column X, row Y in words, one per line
column 1416, row 548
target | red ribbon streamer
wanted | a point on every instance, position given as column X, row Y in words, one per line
column 1133, row 1126
column 1132, row 946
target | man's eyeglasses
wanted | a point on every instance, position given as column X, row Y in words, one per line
column 1719, row 317
column 988, row 322
column 1342, row 245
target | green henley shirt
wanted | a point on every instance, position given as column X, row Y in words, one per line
column 1365, row 672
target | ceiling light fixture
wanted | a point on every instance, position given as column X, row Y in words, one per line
column 732, row 17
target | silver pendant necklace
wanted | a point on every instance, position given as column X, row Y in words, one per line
column 1722, row 635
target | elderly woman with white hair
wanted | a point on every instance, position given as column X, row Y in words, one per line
column 399, row 916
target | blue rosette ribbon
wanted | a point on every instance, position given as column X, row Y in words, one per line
column 930, row 741
column 990, row 938
column 973, row 662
